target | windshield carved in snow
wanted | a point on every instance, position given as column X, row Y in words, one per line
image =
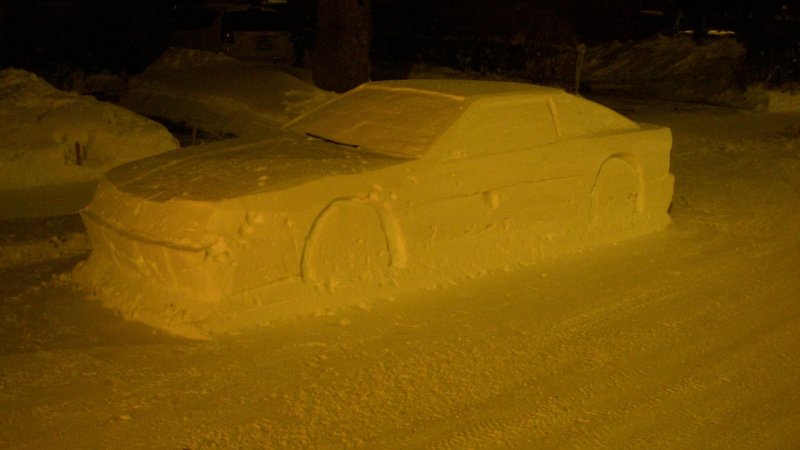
column 392, row 121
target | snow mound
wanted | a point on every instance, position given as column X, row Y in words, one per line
column 675, row 68
column 103, row 85
column 53, row 137
column 783, row 100
column 220, row 94
column 184, row 58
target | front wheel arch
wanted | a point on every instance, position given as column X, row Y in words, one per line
column 352, row 242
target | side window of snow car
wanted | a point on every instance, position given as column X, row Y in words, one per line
column 577, row 116
column 504, row 126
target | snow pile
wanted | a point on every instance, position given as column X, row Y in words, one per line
column 788, row 100
column 50, row 137
column 103, row 85
column 219, row 94
column 177, row 58
column 675, row 68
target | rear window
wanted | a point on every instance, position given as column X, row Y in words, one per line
column 253, row 20
column 393, row 121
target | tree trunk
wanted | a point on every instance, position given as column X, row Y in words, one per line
column 340, row 60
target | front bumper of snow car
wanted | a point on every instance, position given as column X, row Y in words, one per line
column 190, row 267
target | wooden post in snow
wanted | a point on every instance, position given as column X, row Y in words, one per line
column 579, row 67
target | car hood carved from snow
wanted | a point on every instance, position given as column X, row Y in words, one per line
column 230, row 169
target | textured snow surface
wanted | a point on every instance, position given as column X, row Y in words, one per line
column 675, row 68
column 40, row 127
column 788, row 100
column 681, row 339
column 219, row 94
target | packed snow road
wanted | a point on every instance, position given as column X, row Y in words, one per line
column 686, row 338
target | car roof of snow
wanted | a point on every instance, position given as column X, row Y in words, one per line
column 464, row 88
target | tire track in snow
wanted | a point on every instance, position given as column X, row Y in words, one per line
column 707, row 369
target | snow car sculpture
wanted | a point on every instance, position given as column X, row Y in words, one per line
column 394, row 185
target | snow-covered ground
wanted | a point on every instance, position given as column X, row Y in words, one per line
column 686, row 338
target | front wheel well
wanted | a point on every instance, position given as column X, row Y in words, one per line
column 352, row 241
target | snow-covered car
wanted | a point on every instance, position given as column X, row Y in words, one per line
column 395, row 185
column 255, row 33
column 218, row 94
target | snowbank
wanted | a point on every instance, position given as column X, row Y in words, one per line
column 674, row 68
column 783, row 100
column 52, row 137
column 103, row 85
column 220, row 94
column 664, row 68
